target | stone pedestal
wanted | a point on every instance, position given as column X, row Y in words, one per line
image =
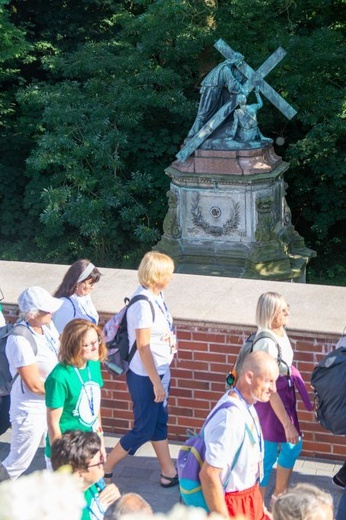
column 228, row 216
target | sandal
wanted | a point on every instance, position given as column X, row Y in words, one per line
column 173, row 481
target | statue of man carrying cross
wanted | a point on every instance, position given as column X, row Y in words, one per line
column 222, row 84
column 221, row 91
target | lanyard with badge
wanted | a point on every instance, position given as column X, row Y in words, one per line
column 257, row 428
column 48, row 338
column 89, row 396
column 170, row 336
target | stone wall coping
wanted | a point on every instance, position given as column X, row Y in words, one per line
column 319, row 309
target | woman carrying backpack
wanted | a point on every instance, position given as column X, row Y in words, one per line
column 148, row 376
column 278, row 418
column 28, row 410
column 75, row 294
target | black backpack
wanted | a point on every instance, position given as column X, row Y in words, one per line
column 6, row 379
column 119, row 353
column 328, row 382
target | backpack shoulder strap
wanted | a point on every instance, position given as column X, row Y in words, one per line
column 133, row 300
column 73, row 305
column 266, row 334
column 142, row 297
column 5, row 330
column 226, row 404
column 236, row 457
column 20, row 329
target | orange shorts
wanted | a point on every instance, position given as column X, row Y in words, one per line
column 248, row 503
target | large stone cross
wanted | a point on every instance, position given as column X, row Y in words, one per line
column 254, row 79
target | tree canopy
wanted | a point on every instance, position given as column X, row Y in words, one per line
column 97, row 96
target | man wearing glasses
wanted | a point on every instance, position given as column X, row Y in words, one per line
column 82, row 452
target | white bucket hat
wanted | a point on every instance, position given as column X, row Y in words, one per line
column 38, row 299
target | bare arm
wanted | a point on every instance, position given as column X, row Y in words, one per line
column 143, row 347
column 109, row 494
column 31, row 377
column 53, row 419
column 279, row 410
column 212, row 489
column 102, row 437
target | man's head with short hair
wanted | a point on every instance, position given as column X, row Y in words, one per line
column 81, row 451
column 127, row 504
column 75, row 448
column 303, row 502
column 257, row 376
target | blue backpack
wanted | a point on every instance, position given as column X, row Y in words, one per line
column 189, row 464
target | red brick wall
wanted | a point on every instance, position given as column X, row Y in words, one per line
column 206, row 352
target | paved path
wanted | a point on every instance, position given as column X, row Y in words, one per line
column 141, row 474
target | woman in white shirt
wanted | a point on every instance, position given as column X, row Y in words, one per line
column 28, row 410
column 74, row 292
column 150, row 324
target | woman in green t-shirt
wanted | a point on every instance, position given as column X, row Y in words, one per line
column 73, row 388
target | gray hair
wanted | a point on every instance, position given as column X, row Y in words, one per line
column 30, row 315
column 301, row 502
column 127, row 504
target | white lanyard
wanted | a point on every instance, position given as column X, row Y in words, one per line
column 91, row 396
column 165, row 312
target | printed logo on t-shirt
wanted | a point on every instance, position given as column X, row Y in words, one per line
column 88, row 404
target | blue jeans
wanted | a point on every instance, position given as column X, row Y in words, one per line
column 341, row 514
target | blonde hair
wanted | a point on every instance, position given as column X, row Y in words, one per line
column 301, row 502
column 72, row 339
column 268, row 305
column 153, row 267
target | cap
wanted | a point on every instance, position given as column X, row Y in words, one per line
column 38, row 299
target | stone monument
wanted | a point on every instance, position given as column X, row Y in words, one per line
column 228, row 214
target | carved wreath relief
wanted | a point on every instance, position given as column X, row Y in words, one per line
column 215, row 228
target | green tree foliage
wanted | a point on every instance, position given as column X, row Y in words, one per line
column 110, row 91
column 14, row 53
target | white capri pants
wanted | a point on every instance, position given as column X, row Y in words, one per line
column 28, row 430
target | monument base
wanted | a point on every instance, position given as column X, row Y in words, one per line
column 228, row 216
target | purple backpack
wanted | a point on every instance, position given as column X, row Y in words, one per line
column 189, row 464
